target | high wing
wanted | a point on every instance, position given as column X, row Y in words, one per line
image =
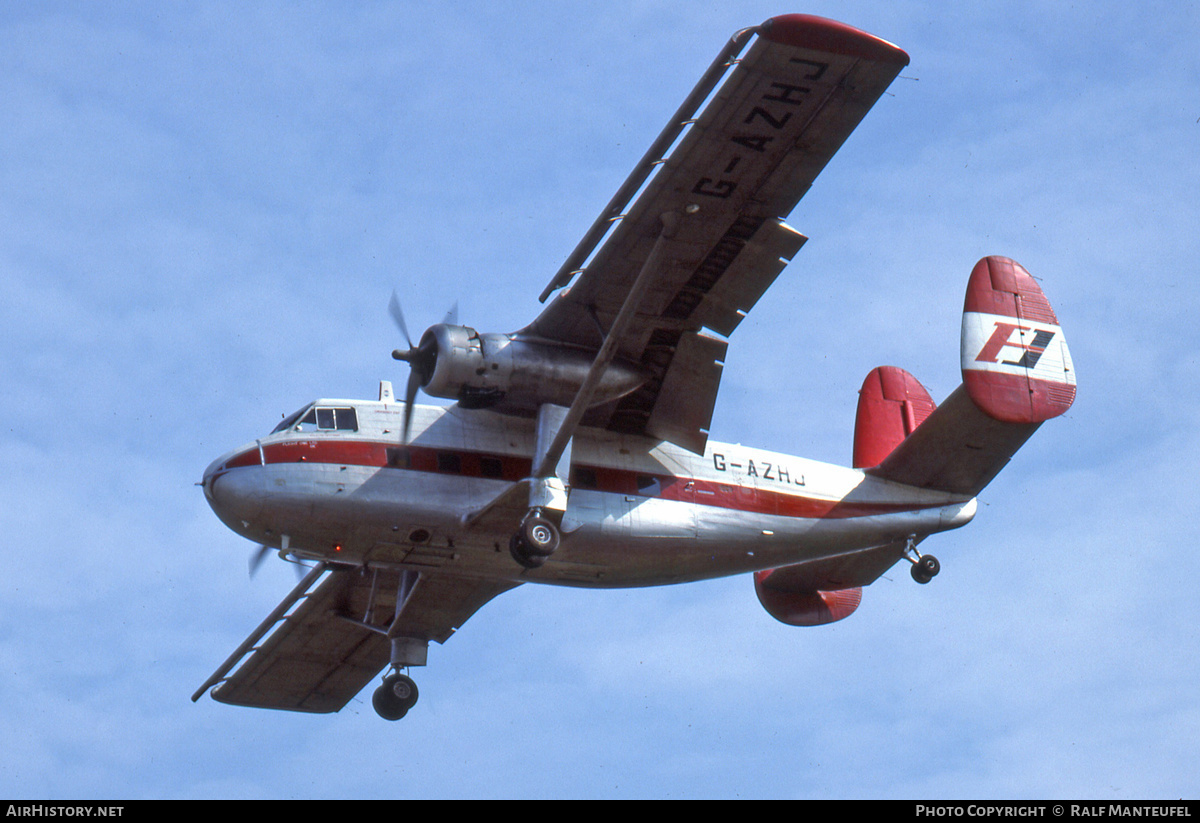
column 324, row 651
column 712, row 212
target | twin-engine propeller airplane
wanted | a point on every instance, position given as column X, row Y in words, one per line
column 577, row 451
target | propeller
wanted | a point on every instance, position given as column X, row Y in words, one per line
column 261, row 553
column 421, row 358
column 258, row 557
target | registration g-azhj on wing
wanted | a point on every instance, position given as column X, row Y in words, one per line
column 577, row 452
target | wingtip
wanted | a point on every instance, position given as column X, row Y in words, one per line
column 821, row 34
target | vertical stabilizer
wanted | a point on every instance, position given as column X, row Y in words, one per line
column 1015, row 361
column 891, row 404
column 1017, row 373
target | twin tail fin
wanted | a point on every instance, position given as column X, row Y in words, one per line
column 1017, row 373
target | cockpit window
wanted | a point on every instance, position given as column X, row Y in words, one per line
column 347, row 419
column 290, row 420
column 321, row 418
column 330, row 418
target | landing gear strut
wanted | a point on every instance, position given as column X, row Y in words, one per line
column 398, row 694
column 535, row 540
column 924, row 566
column 395, row 697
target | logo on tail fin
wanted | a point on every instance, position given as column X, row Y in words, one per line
column 1002, row 337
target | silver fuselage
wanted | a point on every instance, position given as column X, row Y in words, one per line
column 641, row 512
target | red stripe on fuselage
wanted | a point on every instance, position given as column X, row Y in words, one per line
column 344, row 452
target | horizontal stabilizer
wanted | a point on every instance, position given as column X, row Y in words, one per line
column 958, row 449
column 825, row 590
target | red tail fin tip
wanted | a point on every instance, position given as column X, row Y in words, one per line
column 1015, row 361
column 891, row 404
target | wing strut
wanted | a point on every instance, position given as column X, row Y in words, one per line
column 650, row 161
column 405, row 649
column 545, row 466
column 538, row 534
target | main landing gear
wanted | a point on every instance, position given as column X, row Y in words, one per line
column 395, row 697
column 924, row 566
column 535, row 540
column 398, row 694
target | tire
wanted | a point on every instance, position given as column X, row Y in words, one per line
column 926, row 568
column 395, row 697
column 523, row 557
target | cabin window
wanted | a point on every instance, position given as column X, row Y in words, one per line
column 491, row 467
column 648, row 485
column 584, row 478
column 449, row 462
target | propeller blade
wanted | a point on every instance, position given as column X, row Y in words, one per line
column 421, row 358
column 257, row 558
column 398, row 316
column 410, row 395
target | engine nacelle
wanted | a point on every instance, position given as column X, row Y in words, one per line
column 486, row 370
column 805, row 608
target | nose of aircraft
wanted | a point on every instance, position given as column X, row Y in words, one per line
column 210, row 477
column 232, row 494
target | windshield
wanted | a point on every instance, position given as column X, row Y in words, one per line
column 290, row 420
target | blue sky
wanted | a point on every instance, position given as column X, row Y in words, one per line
column 204, row 208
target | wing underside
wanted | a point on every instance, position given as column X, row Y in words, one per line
column 780, row 112
column 329, row 639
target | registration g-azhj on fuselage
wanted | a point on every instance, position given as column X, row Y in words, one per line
column 577, row 450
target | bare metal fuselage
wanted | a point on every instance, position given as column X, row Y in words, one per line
column 640, row 512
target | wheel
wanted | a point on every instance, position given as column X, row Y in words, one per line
column 386, row 705
column 395, row 697
column 926, row 568
column 539, row 535
column 516, row 547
